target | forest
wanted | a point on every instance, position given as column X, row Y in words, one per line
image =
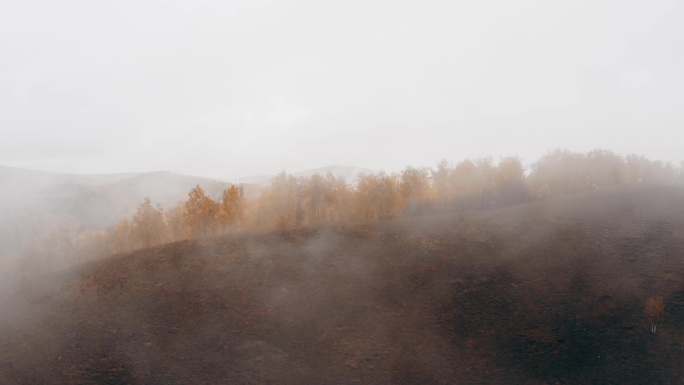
column 319, row 200
column 568, row 271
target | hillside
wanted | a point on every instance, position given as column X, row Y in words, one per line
column 118, row 193
column 20, row 183
column 41, row 201
column 35, row 203
column 548, row 292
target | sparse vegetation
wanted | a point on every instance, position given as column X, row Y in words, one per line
column 549, row 291
column 466, row 256
column 291, row 202
column 148, row 225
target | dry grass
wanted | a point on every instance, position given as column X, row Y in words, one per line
column 655, row 311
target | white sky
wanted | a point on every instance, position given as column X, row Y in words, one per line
column 237, row 88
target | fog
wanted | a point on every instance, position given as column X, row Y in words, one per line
column 248, row 88
column 343, row 192
column 545, row 289
column 414, row 277
column 54, row 221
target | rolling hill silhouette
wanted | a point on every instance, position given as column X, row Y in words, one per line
column 44, row 201
column 547, row 292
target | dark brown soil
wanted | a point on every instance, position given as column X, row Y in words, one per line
column 543, row 293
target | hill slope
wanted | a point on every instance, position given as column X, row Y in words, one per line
column 34, row 202
column 546, row 292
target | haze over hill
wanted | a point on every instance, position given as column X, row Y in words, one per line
column 45, row 201
column 472, row 272
column 348, row 173
column 543, row 292
column 514, row 213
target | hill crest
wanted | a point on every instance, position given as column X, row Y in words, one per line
column 544, row 292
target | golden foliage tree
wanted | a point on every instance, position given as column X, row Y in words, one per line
column 177, row 227
column 231, row 208
column 367, row 197
column 337, row 197
column 414, row 187
column 441, row 183
column 325, row 198
column 659, row 172
column 118, row 237
column 285, row 198
column 464, row 178
column 200, row 213
column 376, row 197
column 606, row 169
column 509, row 181
column 148, row 227
column 315, row 192
column 560, row 172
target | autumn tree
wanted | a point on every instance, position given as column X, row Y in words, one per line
column 635, row 168
column 377, row 197
column 285, row 198
column 606, row 169
column 509, row 181
column 315, row 193
column 441, row 183
column 367, row 197
column 231, row 208
column 200, row 213
column 486, row 172
column 414, row 187
column 639, row 169
column 560, row 172
column 659, row 172
column 464, row 179
column 337, row 197
column 177, row 228
column 118, row 237
column 148, row 227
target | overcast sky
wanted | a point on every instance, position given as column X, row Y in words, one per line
column 237, row 88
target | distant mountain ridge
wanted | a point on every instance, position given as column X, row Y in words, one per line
column 18, row 182
column 349, row 173
column 33, row 203
column 36, row 202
